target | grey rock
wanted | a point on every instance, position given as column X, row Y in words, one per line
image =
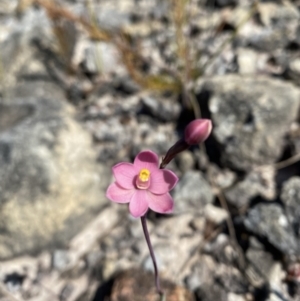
column 172, row 255
column 293, row 69
column 236, row 297
column 192, row 192
column 164, row 109
column 112, row 19
column 245, row 110
column 290, row 197
column 221, row 178
column 272, row 14
column 269, row 39
column 8, row 6
column 260, row 182
column 201, row 274
column 215, row 291
column 279, row 24
column 60, row 259
column 231, row 279
column 223, row 3
column 215, row 214
column 260, row 263
column 247, row 61
column 270, row 222
column 33, row 25
column 49, row 183
column 185, row 161
column 100, row 58
column 223, row 250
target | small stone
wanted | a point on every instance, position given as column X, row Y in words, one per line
column 221, row 178
column 185, row 161
column 235, row 297
column 260, row 182
column 245, row 110
column 192, row 192
column 231, row 279
column 49, row 187
column 247, row 59
column 260, row 264
column 202, row 273
column 290, row 197
column 269, row 221
column 293, row 69
column 137, row 285
column 163, row 109
column 215, row 214
column 60, row 260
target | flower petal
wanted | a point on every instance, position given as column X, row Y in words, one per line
column 124, row 174
column 117, row 194
column 162, row 181
column 146, row 159
column 162, row 203
column 138, row 204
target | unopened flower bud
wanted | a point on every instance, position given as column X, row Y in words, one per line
column 197, row 131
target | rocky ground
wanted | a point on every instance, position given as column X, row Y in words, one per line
column 87, row 84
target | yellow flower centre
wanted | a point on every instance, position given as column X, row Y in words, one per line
column 144, row 175
column 143, row 179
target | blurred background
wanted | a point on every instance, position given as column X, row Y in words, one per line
column 85, row 84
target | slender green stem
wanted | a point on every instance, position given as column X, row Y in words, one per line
column 147, row 237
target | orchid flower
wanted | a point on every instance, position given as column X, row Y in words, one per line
column 146, row 185
column 143, row 185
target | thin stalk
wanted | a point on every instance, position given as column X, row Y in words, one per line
column 147, row 237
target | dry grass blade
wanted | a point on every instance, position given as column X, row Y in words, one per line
column 232, row 234
column 55, row 12
column 131, row 56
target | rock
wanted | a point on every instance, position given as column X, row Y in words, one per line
column 223, row 250
column 269, row 221
column 260, row 182
column 278, row 26
column 185, row 161
column 166, row 227
column 163, row 109
column 290, row 197
column 49, row 184
column 215, row 214
column 60, row 259
column 15, row 37
column 7, row 6
column 202, row 273
column 223, row 3
column 221, row 178
column 211, row 293
column 192, row 192
column 173, row 247
column 235, row 297
column 137, row 285
column 245, row 110
column 111, row 19
column 276, row 275
column 260, row 263
column 99, row 57
column 231, row 279
column 294, row 69
column 272, row 13
column 247, row 61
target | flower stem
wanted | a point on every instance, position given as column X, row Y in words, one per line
column 147, row 237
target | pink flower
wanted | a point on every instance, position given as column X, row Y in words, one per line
column 143, row 185
column 197, row 131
